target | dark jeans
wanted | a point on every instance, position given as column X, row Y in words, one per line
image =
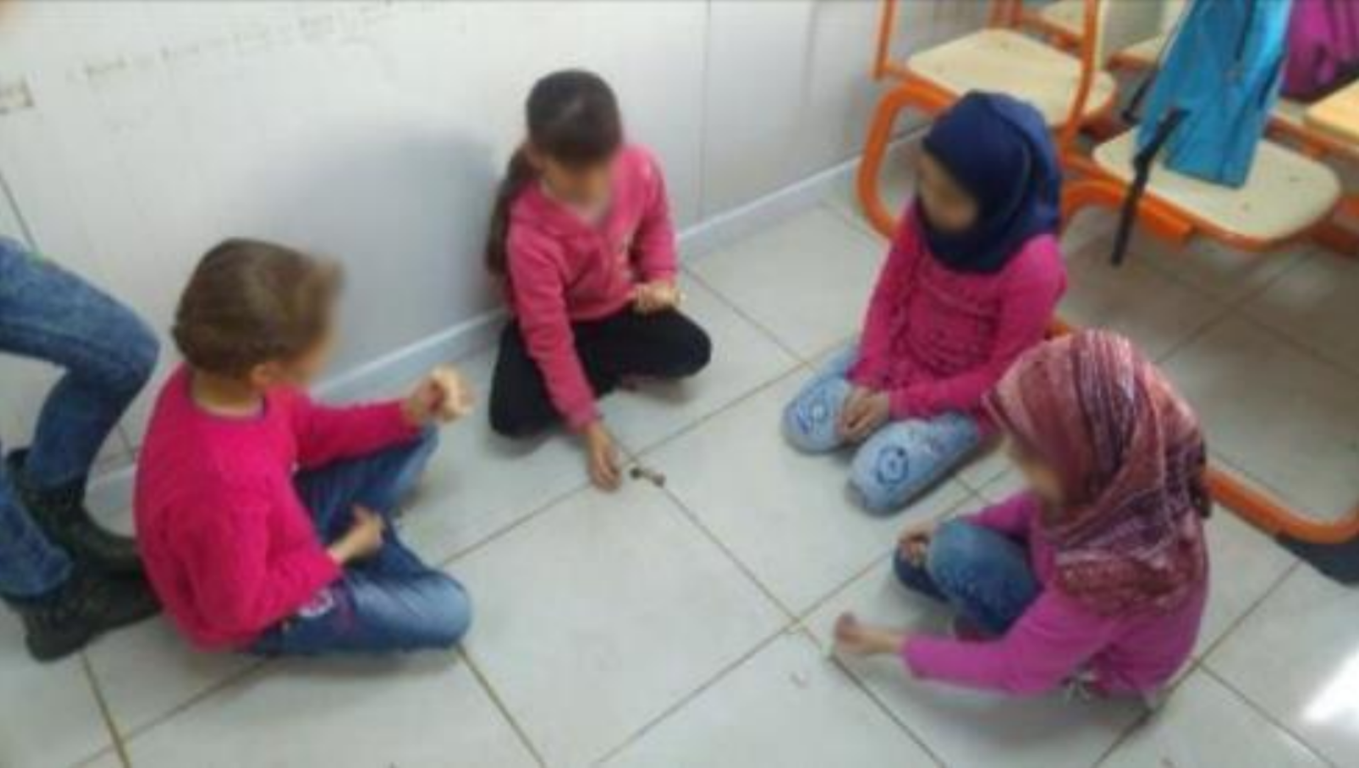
column 664, row 345
column 388, row 602
column 107, row 354
column 984, row 575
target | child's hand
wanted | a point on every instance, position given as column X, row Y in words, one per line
column 914, row 542
column 855, row 638
column 443, row 396
column 362, row 539
column 864, row 412
column 656, row 296
column 602, row 455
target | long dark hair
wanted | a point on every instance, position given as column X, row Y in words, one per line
column 573, row 118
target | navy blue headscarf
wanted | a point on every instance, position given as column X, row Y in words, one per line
column 998, row 149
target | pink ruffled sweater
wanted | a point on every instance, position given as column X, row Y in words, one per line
column 937, row 339
column 227, row 543
column 563, row 269
column 1058, row 638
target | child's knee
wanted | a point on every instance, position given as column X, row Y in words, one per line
column 810, row 420
column 450, row 614
column 954, row 551
column 695, row 351
column 876, row 483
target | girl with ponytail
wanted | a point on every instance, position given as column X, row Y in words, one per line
column 582, row 241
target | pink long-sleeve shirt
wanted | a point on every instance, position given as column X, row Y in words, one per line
column 1057, row 638
column 936, row 340
column 563, row 269
column 228, row 545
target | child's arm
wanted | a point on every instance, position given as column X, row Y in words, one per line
column 876, row 340
column 654, row 243
column 1023, row 321
column 326, row 433
column 1048, row 645
column 246, row 587
column 540, row 306
column 1010, row 517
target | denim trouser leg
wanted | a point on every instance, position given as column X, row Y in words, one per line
column 984, row 575
column 106, row 351
column 904, row 458
column 390, row 602
column 30, row 565
column 811, row 420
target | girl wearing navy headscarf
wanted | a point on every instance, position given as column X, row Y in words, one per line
column 971, row 281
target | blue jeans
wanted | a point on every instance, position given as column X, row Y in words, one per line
column 388, row 602
column 895, row 464
column 981, row 573
column 107, row 353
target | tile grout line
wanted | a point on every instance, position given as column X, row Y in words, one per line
column 692, row 274
column 105, row 713
column 500, row 705
column 197, row 698
column 1267, row 716
column 1251, row 609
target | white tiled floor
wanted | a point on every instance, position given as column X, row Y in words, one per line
column 685, row 627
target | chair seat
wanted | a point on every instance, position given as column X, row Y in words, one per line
column 1289, row 111
column 1285, row 193
column 1145, row 53
column 1009, row 62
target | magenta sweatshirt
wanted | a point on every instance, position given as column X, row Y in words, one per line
column 1057, row 637
column 563, row 269
column 937, row 340
column 227, row 543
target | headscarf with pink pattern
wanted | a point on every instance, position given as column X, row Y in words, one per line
column 1131, row 456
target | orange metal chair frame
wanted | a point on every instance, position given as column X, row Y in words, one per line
column 1093, row 187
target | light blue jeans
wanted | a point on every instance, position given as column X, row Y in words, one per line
column 106, row 353
column 895, row 464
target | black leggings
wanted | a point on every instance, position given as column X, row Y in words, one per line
column 663, row 345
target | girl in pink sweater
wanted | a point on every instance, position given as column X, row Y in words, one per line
column 1098, row 574
column 265, row 518
column 971, row 282
column 581, row 237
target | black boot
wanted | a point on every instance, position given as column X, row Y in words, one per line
column 62, row 516
column 87, row 605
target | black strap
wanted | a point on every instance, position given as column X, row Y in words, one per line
column 1142, row 164
column 1132, row 112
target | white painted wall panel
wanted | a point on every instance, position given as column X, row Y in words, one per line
column 375, row 131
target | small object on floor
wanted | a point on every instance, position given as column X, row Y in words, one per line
column 642, row 472
column 799, row 679
column 1337, row 561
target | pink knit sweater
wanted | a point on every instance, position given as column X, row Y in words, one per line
column 228, row 545
column 1057, row 637
column 937, row 340
column 563, row 269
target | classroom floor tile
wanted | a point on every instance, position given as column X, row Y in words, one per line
column 1297, row 658
column 1207, row 724
column 416, row 712
column 806, row 279
column 788, row 517
column 599, row 614
column 788, row 688
column 48, row 712
column 687, row 626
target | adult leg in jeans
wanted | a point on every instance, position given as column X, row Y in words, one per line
column 984, row 575
column 811, row 422
column 905, row 458
column 107, row 353
column 390, row 602
column 53, row 560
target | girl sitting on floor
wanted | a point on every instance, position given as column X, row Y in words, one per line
column 581, row 237
column 1098, row 574
column 265, row 519
column 971, row 281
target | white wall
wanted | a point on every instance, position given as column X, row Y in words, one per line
column 133, row 135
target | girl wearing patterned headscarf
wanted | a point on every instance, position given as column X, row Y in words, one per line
column 1098, row 573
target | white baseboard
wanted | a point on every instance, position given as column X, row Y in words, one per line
column 110, row 495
